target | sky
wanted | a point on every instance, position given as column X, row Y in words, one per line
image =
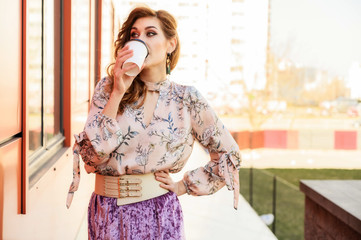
column 324, row 34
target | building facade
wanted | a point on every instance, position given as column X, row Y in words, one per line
column 53, row 53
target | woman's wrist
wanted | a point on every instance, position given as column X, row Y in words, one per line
column 111, row 108
column 118, row 95
column 181, row 188
column 186, row 186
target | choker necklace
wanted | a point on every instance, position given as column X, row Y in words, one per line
column 151, row 90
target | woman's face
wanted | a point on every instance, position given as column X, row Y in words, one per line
column 148, row 29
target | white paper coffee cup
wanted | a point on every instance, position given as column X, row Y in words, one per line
column 140, row 52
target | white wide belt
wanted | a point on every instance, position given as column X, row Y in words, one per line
column 128, row 188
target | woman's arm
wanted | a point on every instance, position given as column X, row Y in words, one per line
column 111, row 109
column 102, row 132
column 225, row 161
column 121, row 82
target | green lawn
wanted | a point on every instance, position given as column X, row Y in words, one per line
column 289, row 200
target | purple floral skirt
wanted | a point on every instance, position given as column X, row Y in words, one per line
column 156, row 218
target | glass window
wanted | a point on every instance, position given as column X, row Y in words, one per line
column 107, row 36
column 80, row 51
column 35, row 74
column 44, row 83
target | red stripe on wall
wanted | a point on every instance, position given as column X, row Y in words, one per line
column 242, row 139
column 292, row 139
column 345, row 140
column 257, row 139
column 275, row 138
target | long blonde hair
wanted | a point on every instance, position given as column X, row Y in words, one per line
column 169, row 28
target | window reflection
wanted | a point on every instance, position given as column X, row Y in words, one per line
column 107, row 36
column 80, row 51
column 35, row 74
column 50, row 106
column 43, row 76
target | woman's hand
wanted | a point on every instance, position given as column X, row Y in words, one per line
column 167, row 183
column 122, row 81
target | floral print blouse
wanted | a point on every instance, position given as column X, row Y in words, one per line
column 126, row 145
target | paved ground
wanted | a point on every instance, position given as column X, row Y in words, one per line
column 213, row 217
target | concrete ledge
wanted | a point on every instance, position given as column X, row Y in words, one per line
column 332, row 208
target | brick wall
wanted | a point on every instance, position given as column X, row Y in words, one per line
column 321, row 224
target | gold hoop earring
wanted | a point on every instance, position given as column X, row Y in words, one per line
column 168, row 64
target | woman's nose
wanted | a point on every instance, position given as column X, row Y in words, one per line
column 142, row 37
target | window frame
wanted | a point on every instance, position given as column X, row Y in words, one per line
column 41, row 160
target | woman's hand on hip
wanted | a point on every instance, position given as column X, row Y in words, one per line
column 122, row 81
column 167, row 182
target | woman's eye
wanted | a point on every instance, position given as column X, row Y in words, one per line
column 150, row 34
column 134, row 35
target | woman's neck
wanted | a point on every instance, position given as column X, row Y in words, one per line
column 153, row 74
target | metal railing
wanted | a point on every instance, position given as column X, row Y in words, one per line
column 279, row 203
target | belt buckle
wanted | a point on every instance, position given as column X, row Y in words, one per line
column 129, row 187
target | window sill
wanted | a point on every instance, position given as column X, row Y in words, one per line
column 45, row 160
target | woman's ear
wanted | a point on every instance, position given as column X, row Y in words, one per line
column 172, row 45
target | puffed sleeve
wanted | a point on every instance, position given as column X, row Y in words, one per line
column 225, row 161
column 102, row 134
column 100, row 137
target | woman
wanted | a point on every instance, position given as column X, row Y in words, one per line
column 142, row 128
